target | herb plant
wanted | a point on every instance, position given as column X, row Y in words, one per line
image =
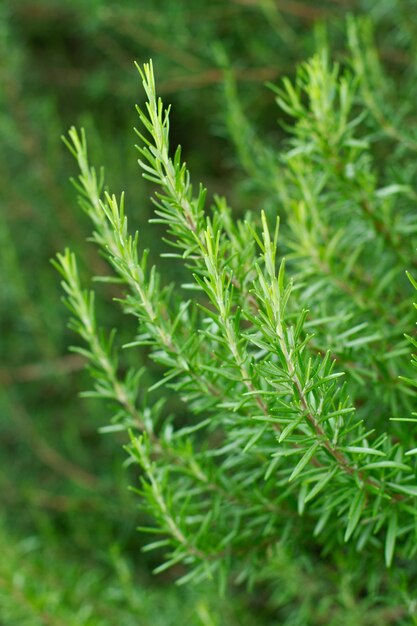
column 286, row 340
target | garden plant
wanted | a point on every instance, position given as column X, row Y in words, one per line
column 230, row 440
column 287, row 340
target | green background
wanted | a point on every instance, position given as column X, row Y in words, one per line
column 70, row 552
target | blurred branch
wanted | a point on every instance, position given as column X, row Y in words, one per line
column 29, row 603
column 43, row 369
column 158, row 44
column 48, row 455
column 304, row 11
column 34, row 151
column 215, row 76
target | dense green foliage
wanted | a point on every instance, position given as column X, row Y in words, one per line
column 259, row 462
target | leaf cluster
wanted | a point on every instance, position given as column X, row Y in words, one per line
column 288, row 375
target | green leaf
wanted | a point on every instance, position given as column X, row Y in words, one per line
column 412, row 280
column 354, row 514
column 290, row 427
column 391, row 538
column 304, row 460
column 257, row 435
column 388, row 465
column 409, row 490
column 302, row 498
column 389, row 190
column 404, row 419
column 363, row 450
column 271, row 467
column 321, row 483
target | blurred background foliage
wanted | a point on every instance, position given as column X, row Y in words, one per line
column 70, row 553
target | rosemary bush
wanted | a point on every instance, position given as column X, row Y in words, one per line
column 286, row 341
column 65, row 502
column 62, row 483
